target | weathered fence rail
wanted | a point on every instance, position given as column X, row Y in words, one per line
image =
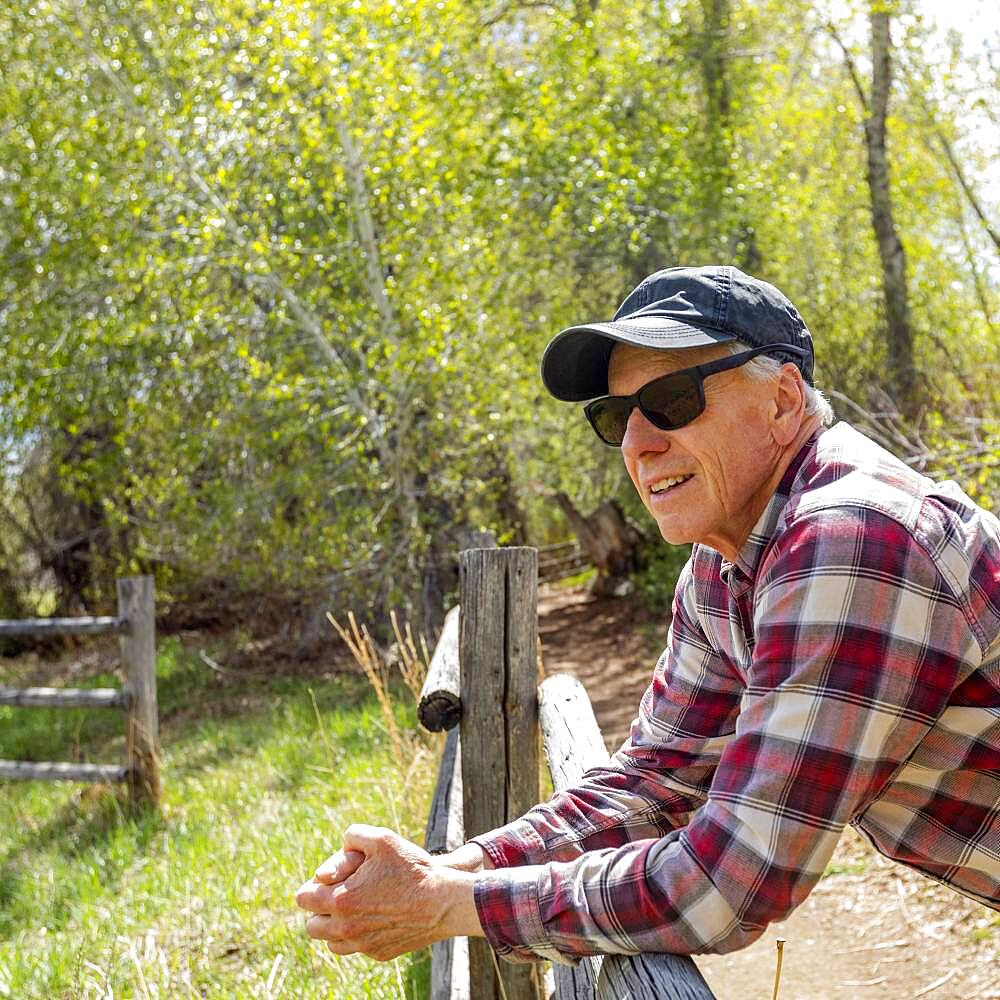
column 65, row 697
column 60, row 626
column 485, row 663
column 573, row 744
column 561, row 560
column 135, row 624
column 440, row 706
column 446, row 832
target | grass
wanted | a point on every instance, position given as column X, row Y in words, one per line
column 580, row 579
column 848, row 868
column 260, row 778
column 986, row 929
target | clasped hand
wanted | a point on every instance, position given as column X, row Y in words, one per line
column 383, row 896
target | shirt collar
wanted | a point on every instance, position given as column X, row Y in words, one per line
column 748, row 558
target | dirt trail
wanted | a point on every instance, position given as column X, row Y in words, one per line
column 870, row 929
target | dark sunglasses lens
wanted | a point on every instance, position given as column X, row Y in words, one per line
column 671, row 401
column 609, row 417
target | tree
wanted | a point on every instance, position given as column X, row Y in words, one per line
column 276, row 283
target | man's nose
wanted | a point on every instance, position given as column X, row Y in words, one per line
column 641, row 435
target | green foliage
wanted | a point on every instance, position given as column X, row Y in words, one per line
column 277, row 279
column 656, row 580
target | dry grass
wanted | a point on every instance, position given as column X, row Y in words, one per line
column 412, row 663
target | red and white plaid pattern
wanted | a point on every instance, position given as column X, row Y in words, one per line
column 845, row 669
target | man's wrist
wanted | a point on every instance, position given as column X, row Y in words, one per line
column 467, row 858
column 458, row 902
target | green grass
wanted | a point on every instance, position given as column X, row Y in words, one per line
column 576, row 580
column 848, row 868
column 260, row 778
column 990, row 927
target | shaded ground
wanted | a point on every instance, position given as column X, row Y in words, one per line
column 871, row 928
column 610, row 644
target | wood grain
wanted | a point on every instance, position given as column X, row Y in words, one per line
column 138, row 650
column 498, row 634
column 440, row 705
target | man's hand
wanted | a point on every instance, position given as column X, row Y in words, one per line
column 467, row 858
column 338, row 867
column 383, row 896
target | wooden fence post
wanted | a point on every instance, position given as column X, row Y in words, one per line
column 138, row 649
column 498, row 596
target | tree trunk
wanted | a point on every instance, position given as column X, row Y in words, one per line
column 967, row 190
column 508, row 504
column 80, row 544
column 613, row 543
column 711, row 51
column 713, row 63
column 714, row 55
column 901, row 373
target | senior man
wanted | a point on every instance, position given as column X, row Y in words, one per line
column 833, row 657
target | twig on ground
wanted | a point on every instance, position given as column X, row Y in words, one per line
column 907, row 916
column 933, row 986
column 227, row 671
column 780, row 945
column 979, row 992
column 903, row 908
column 877, row 967
column 901, row 943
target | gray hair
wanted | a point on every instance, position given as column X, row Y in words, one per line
column 764, row 369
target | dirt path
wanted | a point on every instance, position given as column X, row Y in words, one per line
column 870, row 929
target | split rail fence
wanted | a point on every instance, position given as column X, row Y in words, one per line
column 562, row 559
column 135, row 624
column 482, row 687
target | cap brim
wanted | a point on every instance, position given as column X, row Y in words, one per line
column 575, row 363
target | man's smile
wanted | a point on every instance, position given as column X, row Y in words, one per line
column 668, row 483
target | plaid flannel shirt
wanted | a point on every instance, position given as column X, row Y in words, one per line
column 844, row 669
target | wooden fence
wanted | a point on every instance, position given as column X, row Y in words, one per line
column 562, row 559
column 135, row 623
column 482, row 688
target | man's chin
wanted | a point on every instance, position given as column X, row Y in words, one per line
column 672, row 534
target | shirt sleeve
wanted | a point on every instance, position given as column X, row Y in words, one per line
column 859, row 643
column 660, row 775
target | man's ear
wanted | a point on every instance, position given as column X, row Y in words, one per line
column 787, row 407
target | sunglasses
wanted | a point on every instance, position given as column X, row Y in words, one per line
column 670, row 401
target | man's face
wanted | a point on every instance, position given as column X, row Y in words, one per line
column 727, row 452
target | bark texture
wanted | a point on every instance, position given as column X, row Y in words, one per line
column 890, row 247
column 613, row 543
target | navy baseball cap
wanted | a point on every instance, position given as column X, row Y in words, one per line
column 676, row 308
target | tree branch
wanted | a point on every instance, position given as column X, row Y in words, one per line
column 506, row 8
column 849, row 63
column 964, row 184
